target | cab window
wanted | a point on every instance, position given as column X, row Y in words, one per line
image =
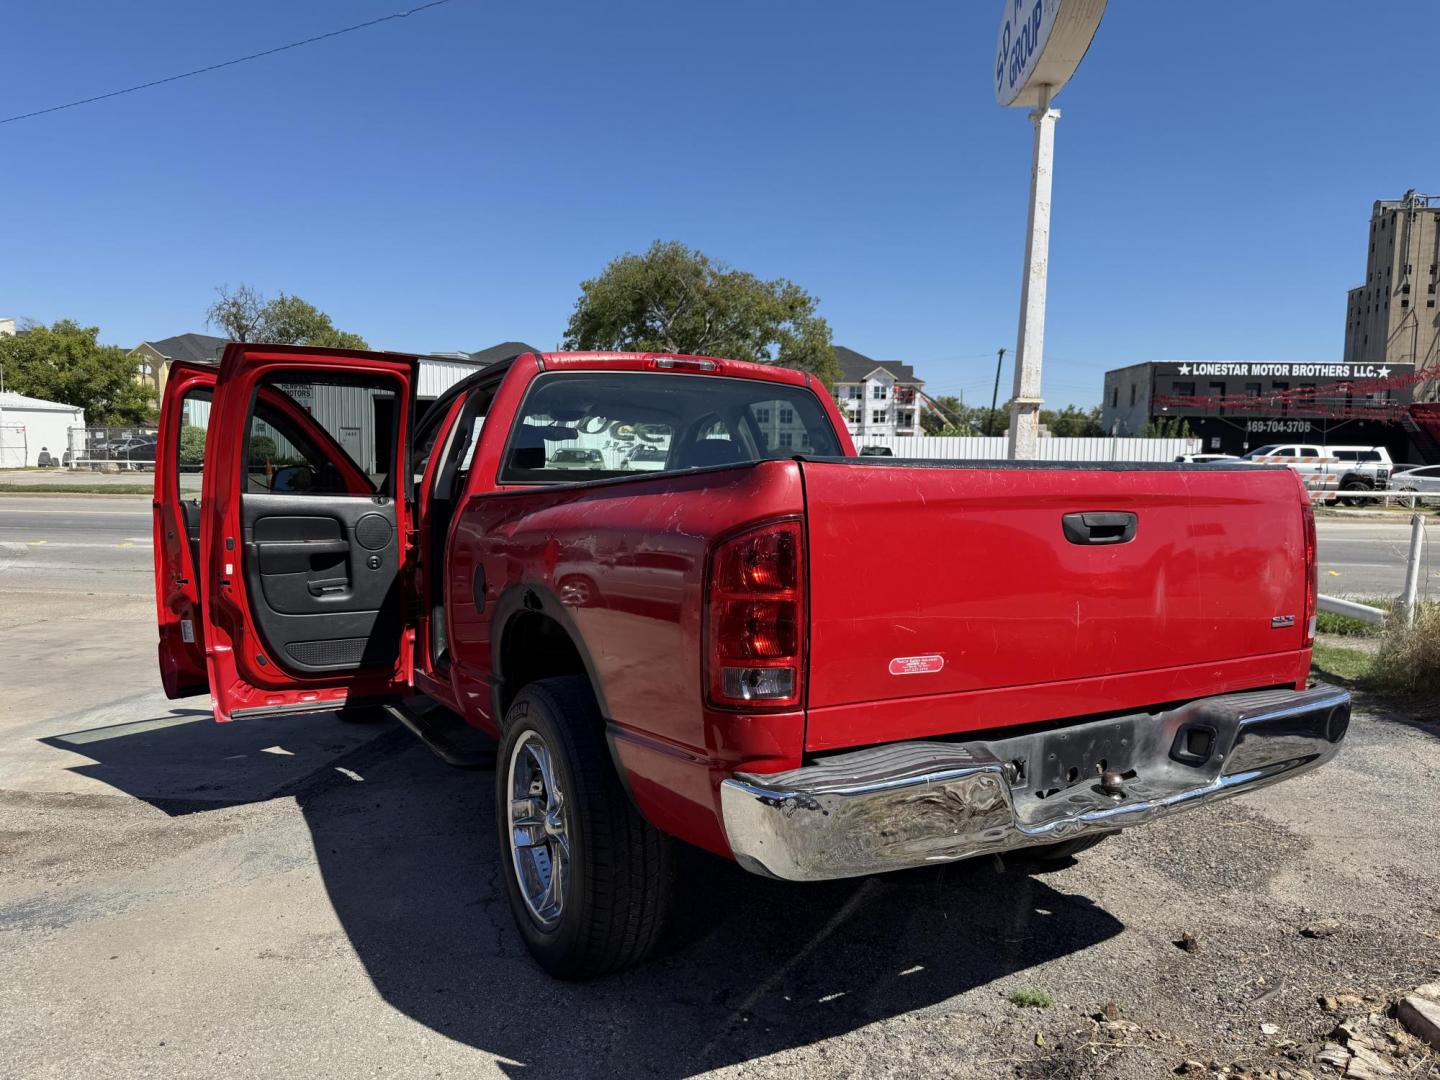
column 321, row 437
column 577, row 426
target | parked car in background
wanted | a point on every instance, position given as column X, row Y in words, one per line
column 1363, row 464
column 1204, row 459
column 576, row 458
column 1330, row 468
column 1424, row 479
column 139, row 456
column 132, row 452
column 645, row 457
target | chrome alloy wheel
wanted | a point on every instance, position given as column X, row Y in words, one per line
column 539, row 840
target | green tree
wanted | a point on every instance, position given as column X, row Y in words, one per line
column 956, row 418
column 290, row 320
column 945, row 411
column 244, row 314
column 238, row 313
column 674, row 299
column 65, row 362
column 1167, row 427
column 950, row 416
column 1073, row 422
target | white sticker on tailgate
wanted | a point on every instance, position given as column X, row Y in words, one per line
column 916, row 665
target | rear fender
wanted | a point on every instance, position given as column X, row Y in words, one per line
column 531, row 598
column 674, row 788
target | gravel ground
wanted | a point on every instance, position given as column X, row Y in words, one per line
column 312, row 898
column 349, row 923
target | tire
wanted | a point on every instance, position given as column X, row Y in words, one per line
column 1356, row 485
column 1045, row 854
column 616, row 871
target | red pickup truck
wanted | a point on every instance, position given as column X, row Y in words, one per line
column 685, row 609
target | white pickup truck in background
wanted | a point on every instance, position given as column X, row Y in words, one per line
column 1331, row 469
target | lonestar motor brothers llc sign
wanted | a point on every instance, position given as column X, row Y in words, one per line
column 1275, row 370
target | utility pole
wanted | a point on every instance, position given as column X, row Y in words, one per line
column 994, row 395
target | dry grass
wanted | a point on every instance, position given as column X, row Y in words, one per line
column 1409, row 658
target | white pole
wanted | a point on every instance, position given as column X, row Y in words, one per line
column 1030, row 347
column 1412, row 570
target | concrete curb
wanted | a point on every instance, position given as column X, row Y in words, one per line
column 76, row 495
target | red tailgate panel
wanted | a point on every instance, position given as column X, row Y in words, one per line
column 951, row 580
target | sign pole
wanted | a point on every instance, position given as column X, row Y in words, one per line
column 1030, row 344
column 1041, row 44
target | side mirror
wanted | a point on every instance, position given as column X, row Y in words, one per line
column 293, row 478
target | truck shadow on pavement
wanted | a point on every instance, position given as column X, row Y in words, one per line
column 410, row 860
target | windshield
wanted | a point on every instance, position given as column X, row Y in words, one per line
column 612, row 419
column 1263, row 451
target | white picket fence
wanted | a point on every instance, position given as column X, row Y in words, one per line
column 992, row 448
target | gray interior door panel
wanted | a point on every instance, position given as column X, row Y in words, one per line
column 321, row 574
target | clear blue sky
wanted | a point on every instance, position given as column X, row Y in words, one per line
column 446, row 180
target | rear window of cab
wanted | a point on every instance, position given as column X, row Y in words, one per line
column 611, row 423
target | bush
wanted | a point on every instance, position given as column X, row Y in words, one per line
column 1409, row 657
column 192, row 445
column 262, row 450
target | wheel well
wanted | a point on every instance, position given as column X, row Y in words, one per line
column 534, row 646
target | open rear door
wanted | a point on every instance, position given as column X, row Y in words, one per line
column 306, row 529
column 179, row 468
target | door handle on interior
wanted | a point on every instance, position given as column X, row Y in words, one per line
column 307, row 547
column 1100, row 527
column 326, row 586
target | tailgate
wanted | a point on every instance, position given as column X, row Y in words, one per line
column 952, row 578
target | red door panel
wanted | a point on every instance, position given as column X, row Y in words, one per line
column 176, row 523
column 290, row 568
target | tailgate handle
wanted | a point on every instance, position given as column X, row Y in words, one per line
column 1107, row 527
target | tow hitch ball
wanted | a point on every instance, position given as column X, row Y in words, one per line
column 1111, row 783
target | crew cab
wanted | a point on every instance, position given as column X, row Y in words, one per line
column 818, row 664
column 1331, row 468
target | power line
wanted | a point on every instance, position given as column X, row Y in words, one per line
column 227, row 63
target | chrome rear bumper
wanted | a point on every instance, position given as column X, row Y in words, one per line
column 907, row 804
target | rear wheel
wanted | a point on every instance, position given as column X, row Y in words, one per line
column 588, row 879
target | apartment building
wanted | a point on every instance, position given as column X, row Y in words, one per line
column 878, row 398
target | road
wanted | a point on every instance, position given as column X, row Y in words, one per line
column 95, row 542
column 106, row 542
column 1366, row 559
column 310, row 897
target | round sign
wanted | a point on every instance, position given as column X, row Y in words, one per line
column 1041, row 44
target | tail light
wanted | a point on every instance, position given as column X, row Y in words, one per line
column 1312, row 574
column 684, row 363
column 755, row 650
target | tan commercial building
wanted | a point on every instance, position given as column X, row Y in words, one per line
column 1393, row 317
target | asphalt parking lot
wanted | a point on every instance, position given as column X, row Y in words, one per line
column 316, row 898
